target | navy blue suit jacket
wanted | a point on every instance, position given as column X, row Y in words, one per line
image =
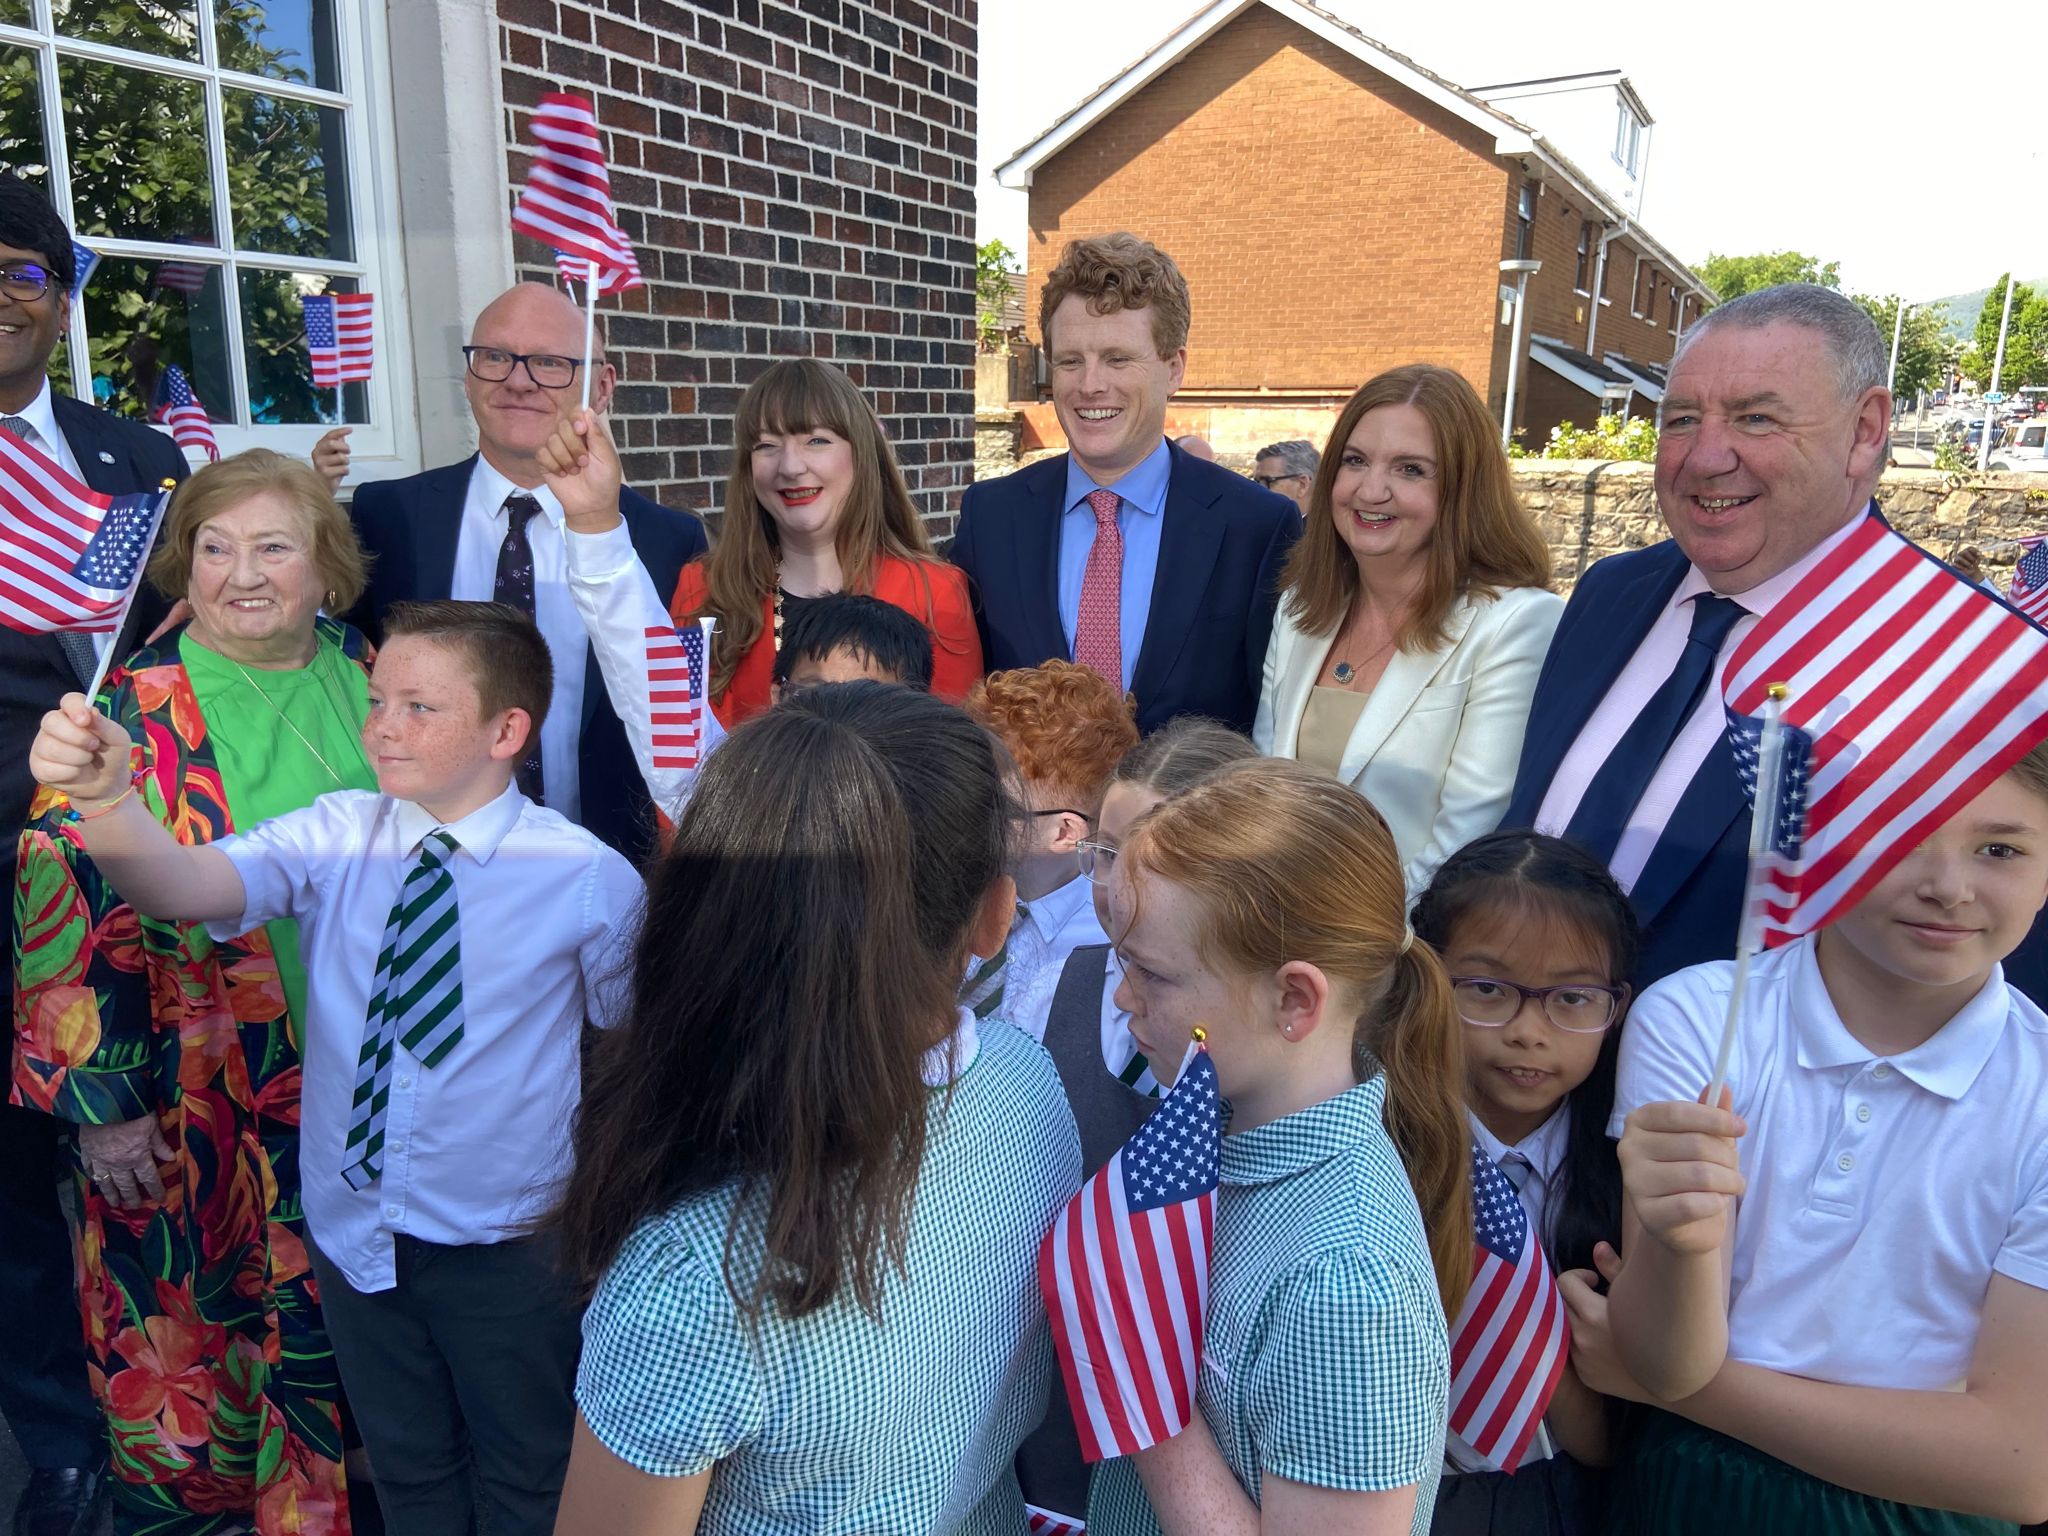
column 411, row 526
column 1690, row 893
column 1220, row 554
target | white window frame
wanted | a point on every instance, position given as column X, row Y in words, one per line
column 1635, row 290
column 1628, row 136
column 1588, row 258
column 1677, row 303
column 363, row 59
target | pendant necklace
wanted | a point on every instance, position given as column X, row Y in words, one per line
column 1344, row 671
column 290, row 725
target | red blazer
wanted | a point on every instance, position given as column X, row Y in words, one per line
column 933, row 593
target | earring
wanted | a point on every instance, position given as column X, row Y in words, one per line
column 331, row 596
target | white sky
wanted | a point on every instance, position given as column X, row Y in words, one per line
column 1770, row 135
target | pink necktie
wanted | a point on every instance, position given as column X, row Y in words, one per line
column 1098, row 633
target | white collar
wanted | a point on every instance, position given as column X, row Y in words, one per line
column 479, row 833
column 1768, row 593
column 1947, row 1062
column 1543, row 1148
column 42, row 415
column 1051, row 913
column 947, row 1062
column 494, row 487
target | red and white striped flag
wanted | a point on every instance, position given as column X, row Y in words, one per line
column 1043, row 1522
column 69, row 555
column 1511, row 1340
column 180, row 408
column 2029, row 591
column 675, row 694
column 567, row 200
column 1125, row 1272
column 339, row 337
column 1917, row 689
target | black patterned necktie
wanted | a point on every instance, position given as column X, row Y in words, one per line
column 515, row 586
column 78, row 648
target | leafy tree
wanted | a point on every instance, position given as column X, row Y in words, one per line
column 995, row 284
column 1922, row 347
column 1608, row 438
column 1733, row 276
column 2026, row 340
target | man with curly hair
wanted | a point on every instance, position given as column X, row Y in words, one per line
column 1066, row 728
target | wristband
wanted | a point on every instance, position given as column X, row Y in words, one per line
column 101, row 810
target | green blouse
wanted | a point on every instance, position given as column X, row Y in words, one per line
column 271, row 730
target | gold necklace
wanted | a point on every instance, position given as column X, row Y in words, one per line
column 339, row 781
column 1345, row 671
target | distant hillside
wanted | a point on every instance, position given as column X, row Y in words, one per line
column 1960, row 311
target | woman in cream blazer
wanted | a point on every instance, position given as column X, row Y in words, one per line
column 1414, row 617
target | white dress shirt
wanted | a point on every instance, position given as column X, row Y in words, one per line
column 1884, row 1192
column 1630, row 693
column 617, row 605
column 1048, row 929
column 476, row 580
column 476, row 1145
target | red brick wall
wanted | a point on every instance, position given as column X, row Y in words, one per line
column 798, row 177
column 1330, row 223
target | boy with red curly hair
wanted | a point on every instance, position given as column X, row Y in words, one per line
column 1066, row 729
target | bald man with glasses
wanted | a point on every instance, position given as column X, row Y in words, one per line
column 489, row 528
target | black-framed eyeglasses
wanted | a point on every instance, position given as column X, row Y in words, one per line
column 1269, row 481
column 1098, row 860
column 547, row 369
column 24, row 281
column 1577, row 1008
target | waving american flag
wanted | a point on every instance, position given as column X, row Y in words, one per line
column 178, row 408
column 2029, row 591
column 567, row 200
column 340, row 337
column 676, row 661
column 69, row 555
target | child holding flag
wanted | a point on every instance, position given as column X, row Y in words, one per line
column 1835, row 1284
column 1266, row 906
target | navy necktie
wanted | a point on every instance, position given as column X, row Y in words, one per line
column 1616, row 790
column 514, row 585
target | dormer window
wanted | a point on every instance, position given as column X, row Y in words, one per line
column 1628, row 137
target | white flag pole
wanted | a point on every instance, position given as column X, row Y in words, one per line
column 1763, row 820
column 589, row 322
column 99, row 676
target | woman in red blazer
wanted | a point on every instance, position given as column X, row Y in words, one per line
column 816, row 504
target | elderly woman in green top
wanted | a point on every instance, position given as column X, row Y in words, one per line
column 178, row 1058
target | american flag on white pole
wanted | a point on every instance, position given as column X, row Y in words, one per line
column 178, row 408
column 676, row 663
column 339, row 337
column 1916, row 688
column 1510, row 1341
column 69, row 555
column 2029, row 592
column 1125, row 1272
column 567, row 200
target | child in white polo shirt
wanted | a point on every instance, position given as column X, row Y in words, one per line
column 1837, row 1288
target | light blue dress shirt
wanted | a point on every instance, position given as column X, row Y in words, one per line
column 1139, row 519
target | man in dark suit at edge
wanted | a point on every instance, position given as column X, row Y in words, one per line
column 44, row 1395
column 1126, row 553
column 489, row 527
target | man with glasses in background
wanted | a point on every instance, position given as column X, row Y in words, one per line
column 490, row 529
column 44, row 1395
column 1289, row 468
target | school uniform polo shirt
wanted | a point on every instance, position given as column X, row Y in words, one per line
column 1883, row 1191
column 1324, row 1354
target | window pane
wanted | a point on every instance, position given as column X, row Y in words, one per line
column 138, row 153
column 168, row 27
column 23, row 148
column 280, row 371
column 284, row 39
column 287, row 176
column 16, row 13
column 141, row 317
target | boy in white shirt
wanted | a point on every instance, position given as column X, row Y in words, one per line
column 1838, row 1285
column 456, row 938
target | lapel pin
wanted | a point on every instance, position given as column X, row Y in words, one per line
column 106, row 457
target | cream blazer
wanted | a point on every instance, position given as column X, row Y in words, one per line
column 1436, row 745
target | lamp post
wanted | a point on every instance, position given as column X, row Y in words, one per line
column 1891, row 373
column 1521, row 271
column 1992, row 396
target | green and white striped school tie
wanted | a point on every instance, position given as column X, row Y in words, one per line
column 417, row 998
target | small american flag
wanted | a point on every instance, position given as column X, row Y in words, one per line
column 338, row 336
column 83, row 260
column 1043, row 1522
column 181, row 276
column 1916, row 689
column 567, row 200
column 1776, row 790
column 2029, row 591
column 68, row 554
column 178, row 408
column 1511, row 1340
column 675, row 694
column 1125, row 1272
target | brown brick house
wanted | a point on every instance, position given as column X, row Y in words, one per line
column 1339, row 209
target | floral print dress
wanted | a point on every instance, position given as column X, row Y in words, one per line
column 202, row 1324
